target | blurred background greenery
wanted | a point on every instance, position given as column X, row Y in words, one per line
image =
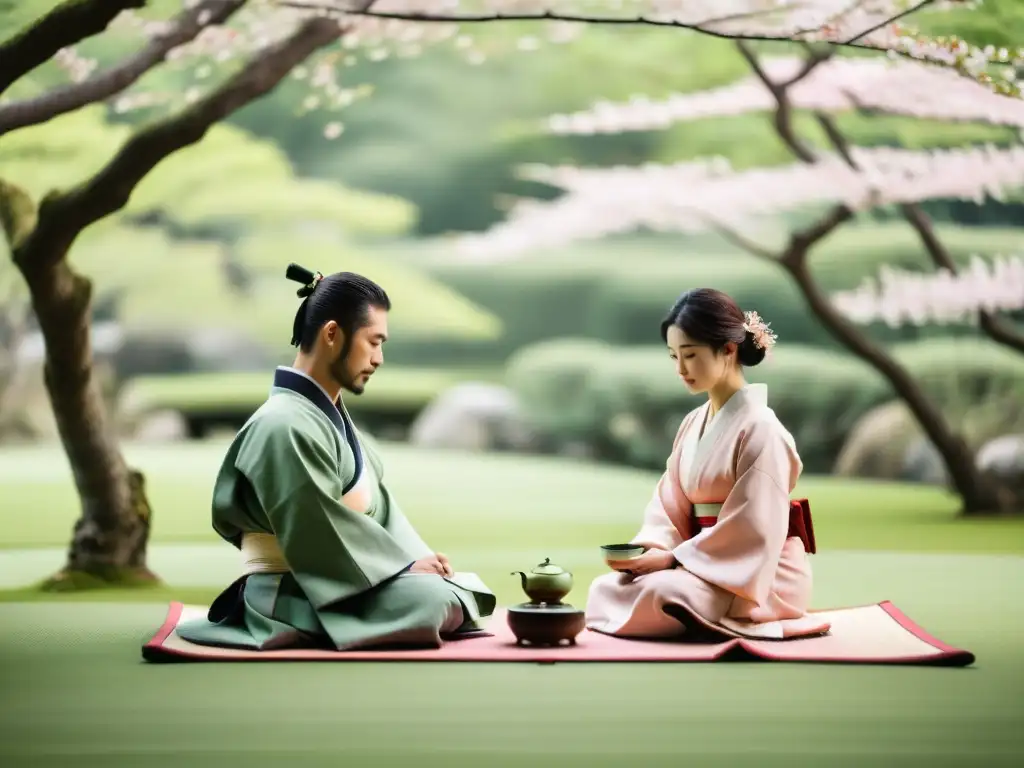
column 557, row 352
column 524, row 411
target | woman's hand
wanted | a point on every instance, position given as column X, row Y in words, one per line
column 650, row 561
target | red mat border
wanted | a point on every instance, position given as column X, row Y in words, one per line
column 154, row 651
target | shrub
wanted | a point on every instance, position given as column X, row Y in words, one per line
column 549, row 379
column 395, row 397
column 978, row 384
column 629, row 308
column 533, row 302
column 628, row 403
column 618, row 290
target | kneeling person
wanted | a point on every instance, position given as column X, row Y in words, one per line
column 330, row 560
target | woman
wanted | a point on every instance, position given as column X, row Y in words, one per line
column 722, row 550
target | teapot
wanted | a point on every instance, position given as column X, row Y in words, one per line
column 546, row 583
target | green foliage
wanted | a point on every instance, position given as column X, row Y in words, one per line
column 979, row 384
column 228, row 184
column 995, row 22
column 618, row 290
column 422, row 307
column 549, row 378
column 60, row 153
column 395, row 395
column 627, row 403
column 230, row 179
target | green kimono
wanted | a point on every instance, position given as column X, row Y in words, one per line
column 344, row 582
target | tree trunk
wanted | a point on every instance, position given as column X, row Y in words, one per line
column 978, row 495
column 109, row 540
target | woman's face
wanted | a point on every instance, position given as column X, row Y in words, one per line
column 697, row 364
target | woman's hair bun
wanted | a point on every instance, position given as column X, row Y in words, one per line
column 748, row 352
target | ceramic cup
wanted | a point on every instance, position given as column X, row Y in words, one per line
column 613, row 552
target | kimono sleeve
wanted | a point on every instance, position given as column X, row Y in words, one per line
column 333, row 551
column 657, row 530
column 741, row 552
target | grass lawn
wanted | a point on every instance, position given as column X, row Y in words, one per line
column 472, row 503
column 77, row 693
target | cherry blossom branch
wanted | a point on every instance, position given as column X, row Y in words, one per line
column 857, row 25
column 63, row 216
column 897, row 297
column 840, row 84
column 995, row 327
column 783, row 117
column 998, row 329
column 888, row 22
column 426, row 17
column 67, row 24
column 66, row 98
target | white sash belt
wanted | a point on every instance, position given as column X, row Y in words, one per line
column 261, row 554
column 707, row 510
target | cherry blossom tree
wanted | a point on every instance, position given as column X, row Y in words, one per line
column 871, row 25
column 253, row 45
column 110, row 537
column 828, row 86
column 708, row 194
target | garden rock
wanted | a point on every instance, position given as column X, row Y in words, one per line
column 472, row 416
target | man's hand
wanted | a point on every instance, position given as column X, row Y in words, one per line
column 650, row 561
column 436, row 563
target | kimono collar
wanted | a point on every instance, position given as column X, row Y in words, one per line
column 296, row 381
column 749, row 395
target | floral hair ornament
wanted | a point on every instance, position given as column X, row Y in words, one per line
column 764, row 337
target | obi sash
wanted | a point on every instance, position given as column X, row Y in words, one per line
column 800, row 524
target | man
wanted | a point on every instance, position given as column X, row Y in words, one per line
column 330, row 560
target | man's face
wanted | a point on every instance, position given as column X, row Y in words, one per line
column 353, row 368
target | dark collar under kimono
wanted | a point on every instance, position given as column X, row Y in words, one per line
column 292, row 380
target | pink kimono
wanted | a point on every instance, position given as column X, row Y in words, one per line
column 722, row 507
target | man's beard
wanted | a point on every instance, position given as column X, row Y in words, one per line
column 340, row 373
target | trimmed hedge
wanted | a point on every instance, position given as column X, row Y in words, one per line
column 627, row 403
column 395, row 396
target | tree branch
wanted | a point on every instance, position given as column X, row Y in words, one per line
column 67, row 24
column 887, row 22
column 63, row 216
column 457, row 18
column 783, row 117
column 736, row 237
column 486, row 18
column 801, row 242
column 66, row 98
column 995, row 327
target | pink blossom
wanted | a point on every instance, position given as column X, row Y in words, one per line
column 702, row 195
column 898, row 298
column 894, row 87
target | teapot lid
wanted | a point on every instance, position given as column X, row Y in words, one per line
column 548, row 568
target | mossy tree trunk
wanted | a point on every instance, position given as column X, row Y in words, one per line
column 110, row 538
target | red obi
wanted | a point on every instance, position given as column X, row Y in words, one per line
column 800, row 524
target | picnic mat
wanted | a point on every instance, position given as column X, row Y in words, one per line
column 871, row 634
